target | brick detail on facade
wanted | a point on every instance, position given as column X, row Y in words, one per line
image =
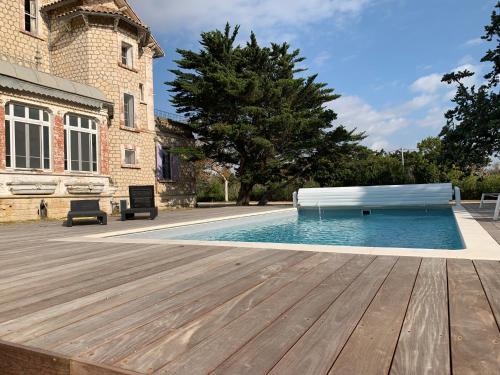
column 2, row 136
column 104, row 142
column 58, row 143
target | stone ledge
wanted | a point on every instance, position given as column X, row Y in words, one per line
column 32, row 187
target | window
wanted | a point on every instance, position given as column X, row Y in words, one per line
column 141, row 91
column 128, row 109
column 129, row 157
column 80, row 144
column 30, row 23
column 27, row 137
column 127, row 55
column 166, row 165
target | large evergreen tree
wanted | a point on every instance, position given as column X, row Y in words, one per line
column 251, row 107
column 472, row 131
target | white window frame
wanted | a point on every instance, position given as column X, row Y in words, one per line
column 128, row 56
column 12, row 119
column 134, row 151
column 67, row 131
column 128, row 118
column 32, row 13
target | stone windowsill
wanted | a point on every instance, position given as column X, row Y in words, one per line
column 47, row 172
column 166, row 181
column 129, row 129
column 127, row 67
column 31, row 34
column 131, row 166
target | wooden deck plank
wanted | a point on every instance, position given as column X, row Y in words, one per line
column 167, row 295
column 29, row 271
column 93, row 334
column 262, row 353
column 133, row 291
column 317, row 349
column 223, row 311
column 129, row 341
column 489, row 274
column 16, row 360
column 423, row 346
column 202, row 358
column 475, row 339
column 371, row 346
column 130, row 298
column 162, row 351
column 86, row 276
column 68, row 293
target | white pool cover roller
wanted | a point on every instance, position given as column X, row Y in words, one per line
column 376, row 196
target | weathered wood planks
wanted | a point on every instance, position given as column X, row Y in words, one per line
column 475, row 339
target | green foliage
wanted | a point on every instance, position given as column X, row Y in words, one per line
column 473, row 186
column 472, row 131
column 250, row 108
column 212, row 190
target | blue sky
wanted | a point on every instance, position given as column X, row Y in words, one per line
column 385, row 57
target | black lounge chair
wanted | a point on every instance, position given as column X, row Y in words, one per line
column 86, row 208
column 142, row 200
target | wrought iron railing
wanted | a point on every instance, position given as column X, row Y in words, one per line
column 170, row 116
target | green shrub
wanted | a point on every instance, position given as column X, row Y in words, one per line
column 471, row 187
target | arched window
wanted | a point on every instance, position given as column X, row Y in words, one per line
column 27, row 137
column 81, row 149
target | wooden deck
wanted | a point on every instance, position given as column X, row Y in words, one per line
column 87, row 308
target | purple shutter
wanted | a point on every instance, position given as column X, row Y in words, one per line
column 159, row 162
column 176, row 167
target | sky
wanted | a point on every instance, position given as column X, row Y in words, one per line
column 384, row 57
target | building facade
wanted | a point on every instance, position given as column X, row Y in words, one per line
column 77, row 115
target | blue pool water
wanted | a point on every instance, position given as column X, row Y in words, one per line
column 409, row 227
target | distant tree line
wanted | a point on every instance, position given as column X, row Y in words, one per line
column 256, row 112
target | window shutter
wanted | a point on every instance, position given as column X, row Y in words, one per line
column 159, row 162
column 176, row 167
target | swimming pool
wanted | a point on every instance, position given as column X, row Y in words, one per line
column 431, row 228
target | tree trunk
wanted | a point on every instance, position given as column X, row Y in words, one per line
column 244, row 194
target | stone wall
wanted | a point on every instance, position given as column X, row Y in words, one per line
column 18, row 46
column 181, row 192
column 92, row 55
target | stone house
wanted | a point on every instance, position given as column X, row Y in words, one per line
column 77, row 117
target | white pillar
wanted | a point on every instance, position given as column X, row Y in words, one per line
column 294, row 198
column 458, row 199
column 497, row 209
column 226, row 190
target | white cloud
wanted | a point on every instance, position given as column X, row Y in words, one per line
column 473, row 42
column 428, row 84
column 199, row 15
column 354, row 112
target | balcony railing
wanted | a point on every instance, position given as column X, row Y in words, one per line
column 170, row 116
